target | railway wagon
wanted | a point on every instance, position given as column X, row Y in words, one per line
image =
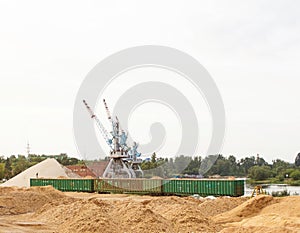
column 204, row 187
column 135, row 186
column 69, row 185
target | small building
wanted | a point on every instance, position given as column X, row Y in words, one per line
column 81, row 170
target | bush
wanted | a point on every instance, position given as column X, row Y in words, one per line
column 294, row 182
column 280, row 178
column 289, row 171
column 260, row 172
column 295, row 175
column 283, row 193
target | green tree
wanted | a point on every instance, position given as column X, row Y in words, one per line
column 7, row 169
column 2, row 170
column 180, row 163
column 222, row 167
column 261, row 162
column 169, row 167
column 193, row 167
column 247, row 163
column 2, row 159
column 279, row 166
column 260, row 172
column 153, row 158
column 19, row 165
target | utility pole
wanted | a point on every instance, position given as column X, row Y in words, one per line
column 28, row 149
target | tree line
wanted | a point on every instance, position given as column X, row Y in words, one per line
column 13, row 165
column 253, row 167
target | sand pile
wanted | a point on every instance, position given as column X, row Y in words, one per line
column 192, row 220
column 163, row 214
column 48, row 168
column 24, row 200
column 83, row 212
column 263, row 214
column 169, row 206
column 103, row 216
column 247, row 209
column 137, row 217
column 80, row 216
column 221, row 205
column 151, row 214
column 190, row 214
column 258, row 230
column 184, row 214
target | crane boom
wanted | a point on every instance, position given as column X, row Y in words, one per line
column 107, row 112
column 117, row 119
column 103, row 131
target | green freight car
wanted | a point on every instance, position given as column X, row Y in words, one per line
column 135, row 186
column 204, row 187
column 70, row 185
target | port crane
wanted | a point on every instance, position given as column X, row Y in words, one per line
column 124, row 160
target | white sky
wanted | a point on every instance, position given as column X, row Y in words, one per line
column 250, row 48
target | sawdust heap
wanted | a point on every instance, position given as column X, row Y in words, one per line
column 221, row 205
column 255, row 229
column 80, row 216
column 136, row 217
column 160, row 214
column 124, row 216
column 120, row 213
column 184, row 213
column 15, row 200
column 263, row 214
column 247, row 209
column 155, row 214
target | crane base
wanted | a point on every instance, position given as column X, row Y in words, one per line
column 117, row 168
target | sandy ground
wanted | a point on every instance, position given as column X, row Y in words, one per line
column 44, row 209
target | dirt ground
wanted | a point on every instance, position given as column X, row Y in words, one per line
column 44, row 209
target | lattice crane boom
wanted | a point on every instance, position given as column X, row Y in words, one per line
column 107, row 112
column 100, row 126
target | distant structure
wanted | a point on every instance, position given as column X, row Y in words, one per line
column 297, row 160
column 28, row 149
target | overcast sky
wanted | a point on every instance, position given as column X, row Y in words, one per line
column 250, row 48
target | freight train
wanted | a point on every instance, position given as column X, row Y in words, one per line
column 182, row 187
